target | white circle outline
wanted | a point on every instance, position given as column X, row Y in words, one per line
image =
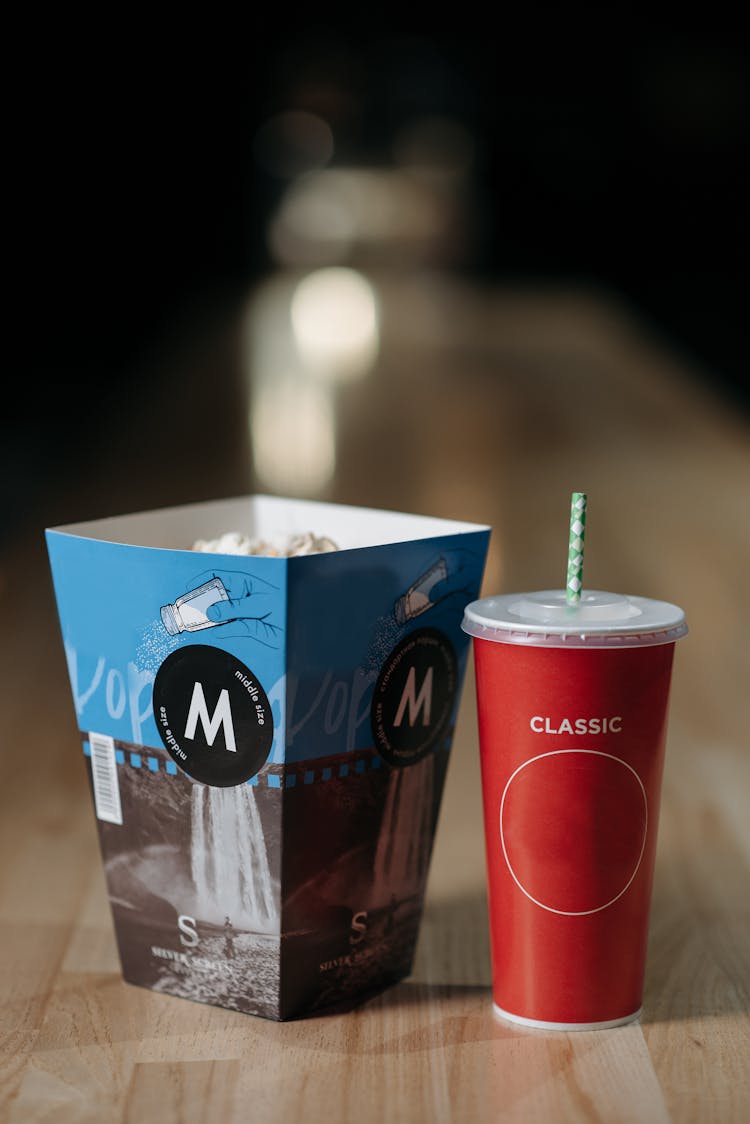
column 549, row 908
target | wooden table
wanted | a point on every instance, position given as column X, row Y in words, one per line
column 483, row 405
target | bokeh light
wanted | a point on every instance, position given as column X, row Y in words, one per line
column 293, row 437
column 381, row 214
column 335, row 321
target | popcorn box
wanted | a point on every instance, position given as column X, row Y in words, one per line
column 266, row 739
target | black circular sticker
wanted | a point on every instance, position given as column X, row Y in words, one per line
column 212, row 715
column 414, row 697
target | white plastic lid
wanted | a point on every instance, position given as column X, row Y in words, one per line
column 599, row 619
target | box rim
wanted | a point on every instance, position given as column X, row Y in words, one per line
column 431, row 526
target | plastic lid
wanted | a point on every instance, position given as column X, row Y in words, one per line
column 599, row 619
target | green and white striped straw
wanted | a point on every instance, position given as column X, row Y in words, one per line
column 574, row 582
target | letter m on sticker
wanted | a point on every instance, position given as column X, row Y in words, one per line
column 211, row 723
column 415, row 701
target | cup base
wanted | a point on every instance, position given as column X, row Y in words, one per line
column 538, row 1024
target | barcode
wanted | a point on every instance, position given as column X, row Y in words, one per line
column 104, row 774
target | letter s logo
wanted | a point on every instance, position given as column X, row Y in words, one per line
column 188, row 934
column 359, row 927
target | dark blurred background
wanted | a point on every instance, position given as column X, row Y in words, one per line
column 146, row 170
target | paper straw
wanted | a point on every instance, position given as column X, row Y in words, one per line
column 574, row 582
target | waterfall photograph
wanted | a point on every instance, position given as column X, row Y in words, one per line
column 228, row 860
column 405, row 839
column 220, row 894
column 196, row 893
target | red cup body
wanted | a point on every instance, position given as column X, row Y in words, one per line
column 572, row 751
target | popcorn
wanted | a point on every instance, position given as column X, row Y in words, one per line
column 234, row 542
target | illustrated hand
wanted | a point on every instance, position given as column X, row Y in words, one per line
column 463, row 571
column 249, row 610
column 453, row 575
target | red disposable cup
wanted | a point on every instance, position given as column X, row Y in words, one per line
column 572, row 705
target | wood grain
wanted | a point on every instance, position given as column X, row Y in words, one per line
column 490, row 406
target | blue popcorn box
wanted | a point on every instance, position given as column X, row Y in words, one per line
column 266, row 739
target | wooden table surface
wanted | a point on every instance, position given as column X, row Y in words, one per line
column 485, row 405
